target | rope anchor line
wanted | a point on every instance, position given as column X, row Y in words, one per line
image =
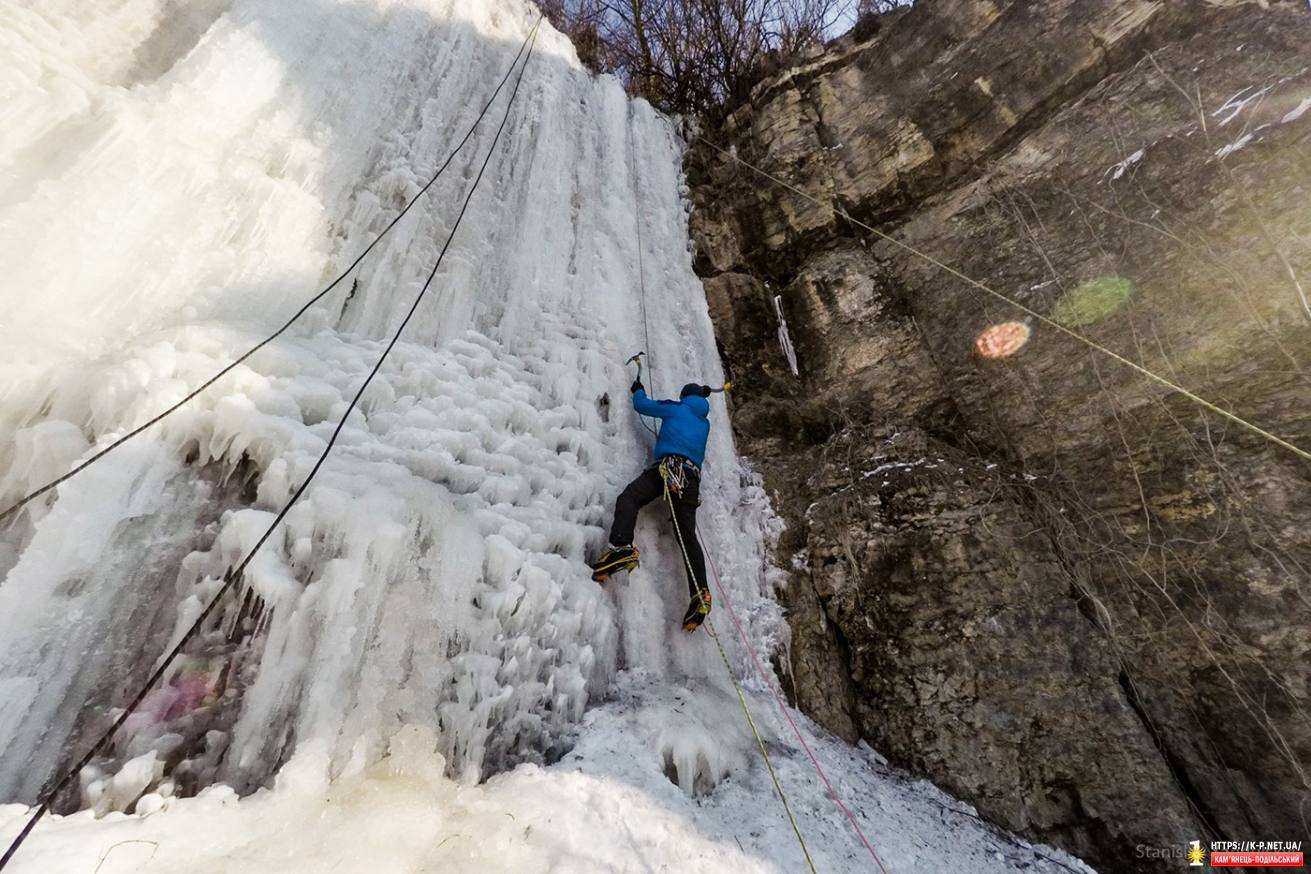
column 1007, row 299
column 641, row 283
column 782, row 706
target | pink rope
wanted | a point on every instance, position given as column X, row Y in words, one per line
column 760, row 671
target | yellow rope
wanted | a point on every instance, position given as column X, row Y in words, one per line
column 761, row 743
column 741, row 698
column 1051, row 323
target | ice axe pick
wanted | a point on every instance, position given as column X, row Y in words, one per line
column 638, row 359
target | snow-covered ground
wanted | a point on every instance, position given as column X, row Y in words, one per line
column 604, row 807
column 176, row 178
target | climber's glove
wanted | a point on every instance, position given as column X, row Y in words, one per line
column 705, row 391
column 635, row 387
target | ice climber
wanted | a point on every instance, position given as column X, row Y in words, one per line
column 676, row 476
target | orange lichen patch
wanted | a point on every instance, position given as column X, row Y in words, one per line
column 1002, row 340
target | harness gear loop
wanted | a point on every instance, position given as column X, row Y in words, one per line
column 674, row 472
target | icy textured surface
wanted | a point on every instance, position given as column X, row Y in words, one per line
column 605, row 807
column 175, row 179
column 434, row 574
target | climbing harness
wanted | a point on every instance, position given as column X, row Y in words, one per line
column 1051, row 323
column 675, row 471
column 22, row 502
column 233, row 576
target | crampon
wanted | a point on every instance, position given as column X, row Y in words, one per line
column 614, row 560
column 697, row 611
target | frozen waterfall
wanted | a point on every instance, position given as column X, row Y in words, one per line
column 176, row 178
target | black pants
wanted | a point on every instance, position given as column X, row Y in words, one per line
column 649, row 486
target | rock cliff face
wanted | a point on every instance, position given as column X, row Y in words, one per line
column 1054, row 586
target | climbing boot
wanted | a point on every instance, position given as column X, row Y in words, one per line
column 697, row 611
column 614, row 560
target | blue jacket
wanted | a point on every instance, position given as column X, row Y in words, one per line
column 684, row 425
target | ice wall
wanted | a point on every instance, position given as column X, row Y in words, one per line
column 175, row 180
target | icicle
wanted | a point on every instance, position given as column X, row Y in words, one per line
column 784, row 339
column 241, row 615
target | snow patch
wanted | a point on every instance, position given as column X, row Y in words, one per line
column 1297, row 111
column 1225, row 151
column 606, row 806
column 1231, row 108
column 1115, row 171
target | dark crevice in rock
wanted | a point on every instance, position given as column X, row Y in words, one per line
column 725, row 361
column 1178, row 769
column 842, row 648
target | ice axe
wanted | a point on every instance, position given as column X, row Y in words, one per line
column 638, row 359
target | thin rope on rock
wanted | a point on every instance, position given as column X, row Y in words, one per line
column 1005, row 298
column 764, row 753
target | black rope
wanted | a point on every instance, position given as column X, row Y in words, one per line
column 233, row 576
column 300, row 312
